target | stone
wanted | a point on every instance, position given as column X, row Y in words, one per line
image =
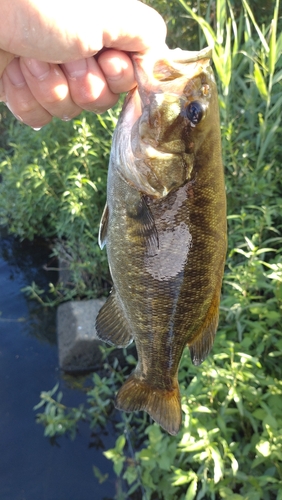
column 77, row 338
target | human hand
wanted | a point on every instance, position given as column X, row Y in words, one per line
column 56, row 73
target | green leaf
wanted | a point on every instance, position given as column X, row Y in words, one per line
column 218, row 464
column 263, row 447
column 98, row 474
column 131, row 474
column 164, row 461
column 226, row 493
column 258, row 30
column 182, row 477
column 260, row 82
column 272, row 42
column 118, row 466
column 279, row 495
column 120, row 443
column 192, row 490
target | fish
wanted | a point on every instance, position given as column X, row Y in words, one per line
column 164, row 227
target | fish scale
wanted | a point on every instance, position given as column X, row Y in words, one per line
column 164, row 227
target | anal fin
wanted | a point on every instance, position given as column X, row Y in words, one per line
column 164, row 406
column 204, row 339
column 111, row 324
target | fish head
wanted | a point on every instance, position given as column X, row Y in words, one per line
column 166, row 118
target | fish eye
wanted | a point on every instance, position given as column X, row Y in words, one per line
column 194, row 112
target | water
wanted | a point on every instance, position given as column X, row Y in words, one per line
column 31, row 468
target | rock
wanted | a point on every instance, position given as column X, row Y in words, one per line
column 77, row 338
column 65, row 274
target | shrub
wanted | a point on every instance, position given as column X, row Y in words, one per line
column 55, row 187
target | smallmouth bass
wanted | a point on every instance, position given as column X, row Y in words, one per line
column 164, row 227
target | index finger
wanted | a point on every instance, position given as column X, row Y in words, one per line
column 133, row 26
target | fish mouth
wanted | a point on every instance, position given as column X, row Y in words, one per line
column 157, row 72
column 166, row 82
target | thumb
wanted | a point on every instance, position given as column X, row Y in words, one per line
column 5, row 59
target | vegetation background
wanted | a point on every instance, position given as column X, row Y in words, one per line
column 53, row 184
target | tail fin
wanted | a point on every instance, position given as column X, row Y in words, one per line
column 162, row 405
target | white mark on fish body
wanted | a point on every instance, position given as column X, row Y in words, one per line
column 172, row 254
column 175, row 242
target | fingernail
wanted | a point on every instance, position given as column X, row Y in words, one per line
column 113, row 69
column 14, row 73
column 2, row 91
column 75, row 69
column 18, row 117
column 39, row 69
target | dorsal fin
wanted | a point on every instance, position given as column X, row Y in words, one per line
column 111, row 324
column 203, row 342
column 103, row 227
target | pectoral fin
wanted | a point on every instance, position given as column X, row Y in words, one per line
column 103, row 227
column 111, row 324
column 146, row 227
column 203, row 341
